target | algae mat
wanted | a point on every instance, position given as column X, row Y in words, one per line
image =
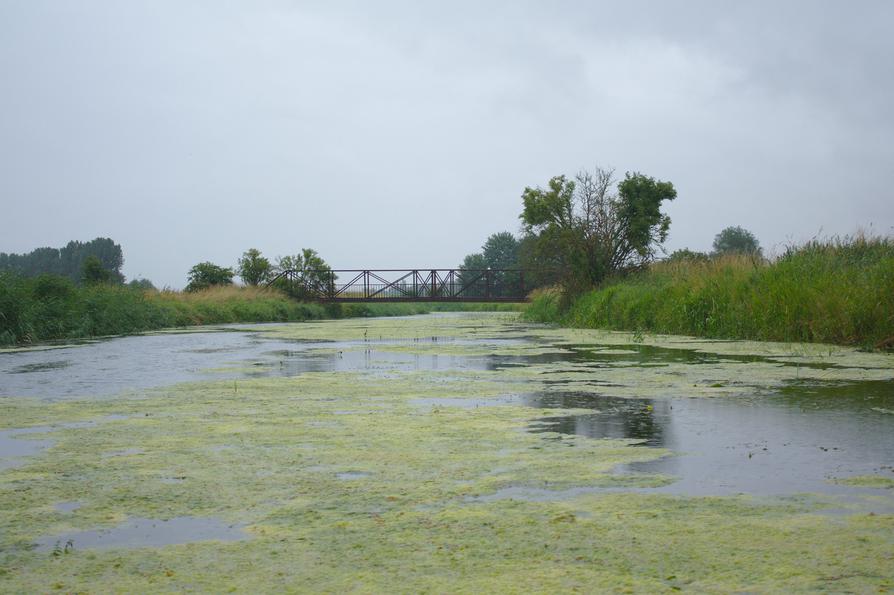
column 380, row 480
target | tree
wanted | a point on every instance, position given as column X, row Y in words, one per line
column 253, row 268
column 500, row 251
column 687, row 255
column 93, row 273
column 589, row 232
column 470, row 275
column 68, row 261
column 736, row 240
column 141, row 284
column 207, row 274
column 313, row 274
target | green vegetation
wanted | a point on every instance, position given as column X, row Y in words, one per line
column 736, row 240
column 53, row 308
column 207, row 274
column 338, row 489
column 588, row 232
column 499, row 252
column 309, row 267
column 253, row 268
column 93, row 273
column 839, row 291
column 68, row 261
column 50, row 307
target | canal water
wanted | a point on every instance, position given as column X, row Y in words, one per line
column 790, row 436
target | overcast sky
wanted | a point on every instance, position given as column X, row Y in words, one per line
column 401, row 134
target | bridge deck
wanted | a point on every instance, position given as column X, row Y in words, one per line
column 404, row 285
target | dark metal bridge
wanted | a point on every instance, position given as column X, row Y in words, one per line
column 404, row 285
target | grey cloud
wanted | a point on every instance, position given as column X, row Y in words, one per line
column 402, row 133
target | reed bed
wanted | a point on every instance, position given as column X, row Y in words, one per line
column 49, row 308
column 833, row 291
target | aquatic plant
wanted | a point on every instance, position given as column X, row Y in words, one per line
column 350, row 481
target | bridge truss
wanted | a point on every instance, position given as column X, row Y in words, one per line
column 404, row 285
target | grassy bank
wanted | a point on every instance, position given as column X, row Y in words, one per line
column 831, row 292
column 52, row 308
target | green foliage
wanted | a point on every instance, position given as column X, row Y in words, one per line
column 313, row 273
column 545, row 306
column 832, row 292
column 51, row 307
column 500, row 251
column 581, row 228
column 640, row 213
column 687, row 255
column 67, row 261
column 207, row 274
column 142, row 284
column 253, row 268
column 93, row 272
column 736, row 240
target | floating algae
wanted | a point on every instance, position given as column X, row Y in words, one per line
column 358, row 480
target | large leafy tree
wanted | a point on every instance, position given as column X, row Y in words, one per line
column 588, row 231
column 736, row 240
column 253, row 268
column 313, row 274
column 207, row 274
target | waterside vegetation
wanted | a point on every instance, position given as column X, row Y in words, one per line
column 833, row 291
column 50, row 307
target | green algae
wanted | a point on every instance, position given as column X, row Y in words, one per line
column 867, row 481
column 345, row 485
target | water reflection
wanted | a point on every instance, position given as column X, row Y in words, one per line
column 641, row 419
column 793, row 441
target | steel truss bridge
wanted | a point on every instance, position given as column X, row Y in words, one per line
column 404, row 285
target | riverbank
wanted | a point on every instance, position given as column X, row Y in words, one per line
column 839, row 292
column 51, row 308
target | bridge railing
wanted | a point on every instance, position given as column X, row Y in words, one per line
column 404, row 285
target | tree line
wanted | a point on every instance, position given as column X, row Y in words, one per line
column 100, row 259
column 255, row 269
column 577, row 232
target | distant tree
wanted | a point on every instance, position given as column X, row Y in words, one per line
column 207, row 274
column 500, row 251
column 93, row 273
column 470, row 273
column 253, row 268
column 67, row 261
column 313, row 273
column 736, row 240
column 142, row 284
column 591, row 233
column 687, row 255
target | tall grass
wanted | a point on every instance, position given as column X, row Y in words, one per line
column 52, row 308
column 833, row 291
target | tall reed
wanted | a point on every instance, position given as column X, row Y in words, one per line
column 833, row 291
